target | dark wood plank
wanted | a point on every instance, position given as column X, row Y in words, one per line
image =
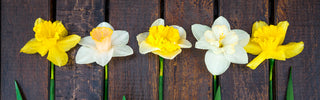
column 30, row 71
column 186, row 77
column 75, row 81
column 240, row 82
column 135, row 76
column 303, row 17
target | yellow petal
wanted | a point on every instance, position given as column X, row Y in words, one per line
column 257, row 25
column 166, row 54
column 68, row 42
column 253, row 48
column 278, row 54
column 31, row 47
column 57, row 56
column 257, row 61
column 292, row 49
column 283, row 25
column 38, row 21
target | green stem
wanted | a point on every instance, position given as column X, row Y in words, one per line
column 161, row 79
column 52, row 92
column 214, row 85
column 271, row 64
column 106, row 82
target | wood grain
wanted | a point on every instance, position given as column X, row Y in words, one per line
column 135, row 76
column 240, row 82
column 186, row 77
column 30, row 71
column 303, row 17
column 73, row 81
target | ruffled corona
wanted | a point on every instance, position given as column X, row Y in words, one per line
column 165, row 41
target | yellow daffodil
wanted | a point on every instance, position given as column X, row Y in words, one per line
column 165, row 41
column 103, row 43
column 266, row 42
column 51, row 37
column 223, row 44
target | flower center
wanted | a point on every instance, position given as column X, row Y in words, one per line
column 102, row 38
column 221, row 37
column 269, row 37
column 48, row 33
column 165, row 38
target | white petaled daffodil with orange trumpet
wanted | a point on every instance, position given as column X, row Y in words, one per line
column 103, row 43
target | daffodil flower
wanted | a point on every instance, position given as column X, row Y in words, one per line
column 51, row 37
column 165, row 41
column 223, row 44
column 266, row 42
column 103, row 43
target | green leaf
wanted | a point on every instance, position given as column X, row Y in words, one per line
column 124, row 98
column 218, row 94
column 290, row 87
column 19, row 97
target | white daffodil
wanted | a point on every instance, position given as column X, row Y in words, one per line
column 103, row 43
column 165, row 41
column 223, row 44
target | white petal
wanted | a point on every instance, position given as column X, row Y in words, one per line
column 203, row 44
column 105, row 24
column 216, row 63
column 231, row 38
column 239, row 56
column 185, row 43
column 221, row 21
column 243, row 36
column 103, row 58
column 158, row 22
column 229, row 49
column 144, row 48
column 87, row 41
column 85, row 55
column 210, row 36
column 198, row 30
column 142, row 36
column 119, row 37
column 182, row 32
column 121, row 51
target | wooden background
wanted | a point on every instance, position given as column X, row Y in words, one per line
column 136, row 76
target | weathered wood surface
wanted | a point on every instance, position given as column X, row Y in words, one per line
column 74, row 81
column 240, row 82
column 135, row 76
column 186, row 76
column 304, row 18
column 30, row 71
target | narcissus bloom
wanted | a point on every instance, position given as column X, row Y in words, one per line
column 51, row 37
column 223, row 44
column 165, row 41
column 266, row 42
column 103, row 43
